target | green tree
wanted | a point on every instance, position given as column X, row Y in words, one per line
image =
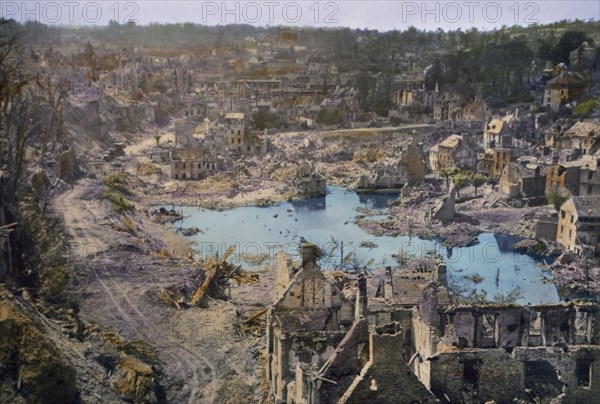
column 478, row 180
column 556, row 199
column 330, row 116
column 568, row 42
column 585, row 107
column 264, row 120
column 460, row 180
column 364, row 84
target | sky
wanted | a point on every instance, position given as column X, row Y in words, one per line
column 372, row 14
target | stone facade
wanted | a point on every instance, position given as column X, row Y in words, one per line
column 589, row 182
column 494, row 161
column 417, row 346
column 564, row 178
column 194, row 163
column 581, row 136
column 304, row 326
column 499, row 353
column 521, row 181
column 564, row 88
column 497, row 133
column 579, row 223
column 454, row 151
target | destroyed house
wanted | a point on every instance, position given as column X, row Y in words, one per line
column 447, row 108
column 409, row 168
column 579, row 223
column 493, row 161
column 189, row 133
column 564, row 88
column 194, row 163
column 521, row 180
column 564, row 178
column 476, row 110
column 497, row 133
column 389, row 178
column 504, row 352
column 589, row 182
column 582, row 136
column 406, row 340
column 304, row 326
column 310, row 184
column 454, row 151
column 234, row 127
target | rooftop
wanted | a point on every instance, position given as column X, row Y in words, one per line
column 451, row 141
column 584, row 129
column 588, row 206
column 235, row 115
column 495, row 126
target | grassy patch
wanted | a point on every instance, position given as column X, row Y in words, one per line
column 115, row 188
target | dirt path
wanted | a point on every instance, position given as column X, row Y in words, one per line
column 83, row 220
column 113, row 286
column 147, row 144
column 179, row 360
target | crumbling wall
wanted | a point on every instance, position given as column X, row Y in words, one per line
column 386, row 378
column 305, row 325
column 524, row 374
column 445, row 211
column 350, row 356
column 505, row 352
column 546, row 228
column 283, row 273
column 486, row 374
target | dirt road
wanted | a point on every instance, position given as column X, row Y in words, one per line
column 115, row 273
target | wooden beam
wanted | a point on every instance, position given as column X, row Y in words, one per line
column 211, row 271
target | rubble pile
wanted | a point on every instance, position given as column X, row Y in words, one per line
column 580, row 276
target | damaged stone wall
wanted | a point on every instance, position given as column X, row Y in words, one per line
column 386, row 378
column 504, row 352
column 305, row 325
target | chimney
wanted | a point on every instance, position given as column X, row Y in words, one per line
column 308, row 252
column 361, row 297
column 440, row 274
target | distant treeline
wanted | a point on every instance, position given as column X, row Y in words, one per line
column 499, row 63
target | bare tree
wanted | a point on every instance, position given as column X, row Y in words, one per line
column 16, row 126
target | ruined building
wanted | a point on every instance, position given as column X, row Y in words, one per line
column 502, row 352
column 304, row 325
column 497, row 143
column 497, row 133
column 234, row 127
column 566, row 87
column 582, row 136
column 408, row 168
column 494, row 160
column 564, row 178
column 589, row 182
column 399, row 337
column 522, row 180
column 454, row 151
column 579, row 223
column 234, row 131
column 194, row 163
